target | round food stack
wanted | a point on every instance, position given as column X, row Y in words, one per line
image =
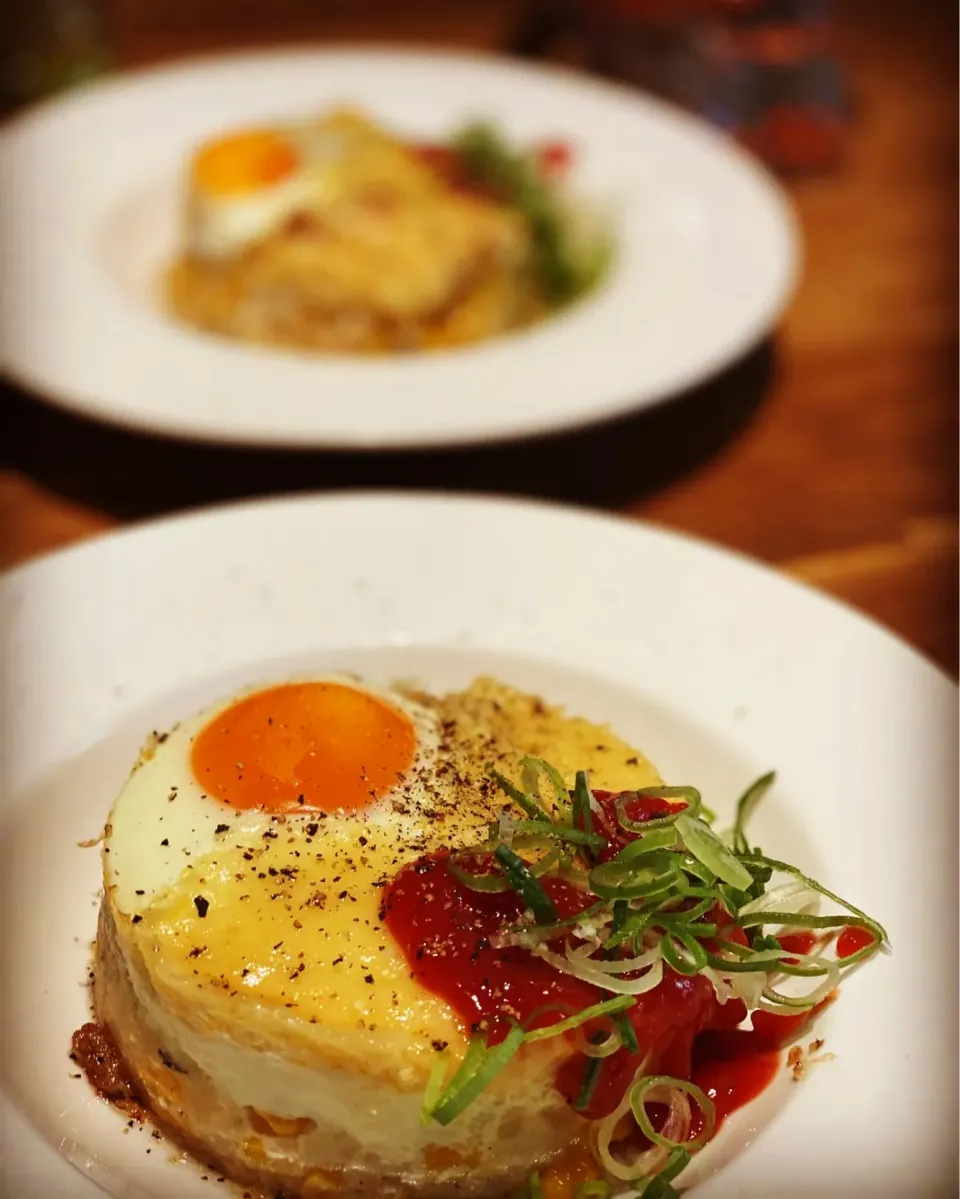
column 244, row 966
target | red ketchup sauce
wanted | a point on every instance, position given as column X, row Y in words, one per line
column 852, row 939
column 449, row 165
column 445, row 928
column 552, row 161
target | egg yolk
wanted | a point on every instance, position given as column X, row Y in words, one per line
column 304, row 747
column 243, row 162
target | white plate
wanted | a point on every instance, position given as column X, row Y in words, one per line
column 89, row 190
column 717, row 667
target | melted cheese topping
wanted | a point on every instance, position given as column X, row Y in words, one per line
column 270, row 933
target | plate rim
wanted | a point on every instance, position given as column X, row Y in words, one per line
column 163, row 523
column 779, row 288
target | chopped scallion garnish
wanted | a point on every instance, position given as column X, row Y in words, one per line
column 689, row 796
column 477, row 1070
column 591, row 1076
column 640, row 1094
column 520, row 798
column 526, row 885
column 582, row 803
column 659, row 1187
column 534, row 832
column 746, row 806
column 674, row 896
column 531, row 769
column 626, row 1031
column 595, row 1188
column 608, row 1007
column 700, row 840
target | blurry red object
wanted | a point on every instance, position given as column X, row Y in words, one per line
column 554, row 159
column 795, row 138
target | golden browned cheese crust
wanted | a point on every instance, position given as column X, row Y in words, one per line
column 256, row 1148
column 378, row 255
column 194, row 1039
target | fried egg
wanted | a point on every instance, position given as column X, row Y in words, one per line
column 242, row 965
column 244, row 186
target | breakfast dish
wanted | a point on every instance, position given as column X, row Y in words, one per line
column 375, row 941
column 94, row 326
column 711, row 664
column 334, row 234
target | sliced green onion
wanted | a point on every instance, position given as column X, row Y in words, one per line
column 534, row 832
column 431, row 1096
column 688, row 890
column 591, row 1076
column 618, row 918
column 607, row 1008
column 534, row 1186
column 777, row 998
column 472, row 1060
column 632, row 928
column 703, row 843
column 739, row 966
column 795, row 920
column 690, row 795
column 543, row 930
column 648, row 1083
column 495, row 883
column 690, row 914
column 627, row 1034
column 526, row 885
column 582, row 805
column 691, row 960
column 698, row 871
column 476, row 1072
column 520, row 798
column 659, row 1185
column 786, row 868
column 532, row 768
column 652, row 842
column 490, row 883
column 746, row 806
column 595, row 1188
column 601, row 1044
column 616, row 880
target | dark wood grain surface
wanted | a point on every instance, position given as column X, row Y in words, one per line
column 830, row 451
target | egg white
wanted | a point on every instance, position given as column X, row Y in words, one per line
column 163, row 818
column 219, row 226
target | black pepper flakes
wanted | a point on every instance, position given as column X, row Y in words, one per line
column 202, row 905
column 169, row 1062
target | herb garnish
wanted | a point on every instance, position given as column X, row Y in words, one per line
column 667, row 892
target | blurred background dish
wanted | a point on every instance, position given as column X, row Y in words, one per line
column 705, row 258
column 334, row 234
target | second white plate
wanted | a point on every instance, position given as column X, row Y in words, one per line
column 90, row 188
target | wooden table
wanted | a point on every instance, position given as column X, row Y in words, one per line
column 830, row 452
